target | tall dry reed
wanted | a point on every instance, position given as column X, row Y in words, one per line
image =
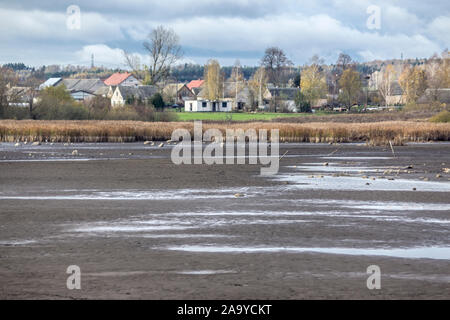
column 398, row 132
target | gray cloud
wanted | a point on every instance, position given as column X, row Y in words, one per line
column 225, row 30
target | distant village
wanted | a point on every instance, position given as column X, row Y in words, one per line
column 269, row 88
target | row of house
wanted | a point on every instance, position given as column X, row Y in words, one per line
column 236, row 97
column 124, row 88
column 121, row 88
column 86, row 89
column 396, row 95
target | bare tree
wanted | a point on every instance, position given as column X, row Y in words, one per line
column 162, row 46
column 164, row 50
column 343, row 62
column 8, row 79
column 258, row 84
column 315, row 60
column 237, row 78
column 133, row 61
column 276, row 63
column 438, row 75
column 386, row 79
column 31, row 93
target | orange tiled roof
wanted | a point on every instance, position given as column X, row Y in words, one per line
column 195, row 84
column 117, row 78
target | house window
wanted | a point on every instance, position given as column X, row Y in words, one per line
column 224, row 105
column 204, row 105
column 190, row 105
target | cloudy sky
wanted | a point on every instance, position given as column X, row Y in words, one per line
column 36, row 32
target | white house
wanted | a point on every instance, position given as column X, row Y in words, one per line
column 128, row 95
column 238, row 93
column 285, row 95
column 203, row 105
column 79, row 89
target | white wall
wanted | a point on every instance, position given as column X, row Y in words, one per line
column 116, row 99
column 208, row 106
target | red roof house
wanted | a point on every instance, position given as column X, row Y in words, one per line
column 122, row 79
column 195, row 84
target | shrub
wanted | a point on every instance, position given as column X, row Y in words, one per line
column 98, row 108
column 157, row 101
column 302, row 104
column 57, row 104
column 444, row 116
column 64, row 111
column 16, row 113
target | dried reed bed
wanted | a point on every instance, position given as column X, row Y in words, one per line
column 377, row 133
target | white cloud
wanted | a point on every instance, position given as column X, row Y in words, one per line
column 439, row 29
column 400, row 20
column 39, row 25
column 103, row 55
column 111, row 57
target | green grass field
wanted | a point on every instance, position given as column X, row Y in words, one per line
column 221, row 116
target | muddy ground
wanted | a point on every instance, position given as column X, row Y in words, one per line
column 140, row 227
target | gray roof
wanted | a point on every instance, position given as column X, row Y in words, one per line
column 174, row 87
column 50, row 83
column 197, row 91
column 285, row 93
column 442, row 95
column 230, row 92
column 138, row 92
column 85, row 85
column 102, row 91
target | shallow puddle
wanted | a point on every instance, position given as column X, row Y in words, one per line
column 332, row 168
column 205, row 272
column 358, row 158
column 440, row 253
column 359, row 184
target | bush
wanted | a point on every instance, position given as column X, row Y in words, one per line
column 65, row 111
column 57, row 104
column 430, row 107
column 140, row 113
column 98, row 108
column 302, row 104
column 16, row 113
column 157, row 101
column 444, row 116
